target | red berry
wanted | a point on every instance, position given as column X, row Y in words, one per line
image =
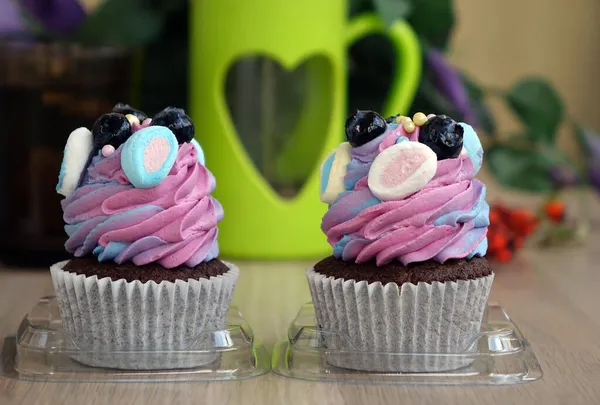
column 519, row 242
column 503, row 256
column 497, row 241
column 555, row 210
column 495, row 217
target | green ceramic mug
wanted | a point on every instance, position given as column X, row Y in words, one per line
column 259, row 223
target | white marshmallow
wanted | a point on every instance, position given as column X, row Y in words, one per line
column 401, row 170
column 76, row 154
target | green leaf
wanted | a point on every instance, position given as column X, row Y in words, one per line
column 520, row 168
column 122, row 22
column 433, row 21
column 538, row 105
column 356, row 7
column 485, row 119
column 392, row 10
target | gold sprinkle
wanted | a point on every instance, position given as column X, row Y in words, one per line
column 399, row 119
column 132, row 119
column 419, row 119
column 405, row 119
column 409, row 126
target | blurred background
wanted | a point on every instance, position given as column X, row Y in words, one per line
column 269, row 85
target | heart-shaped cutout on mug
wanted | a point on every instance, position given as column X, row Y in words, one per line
column 281, row 116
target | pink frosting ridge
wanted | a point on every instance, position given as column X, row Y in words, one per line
column 174, row 223
column 446, row 219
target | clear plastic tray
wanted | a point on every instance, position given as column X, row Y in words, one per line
column 41, row 350
column 499, row 354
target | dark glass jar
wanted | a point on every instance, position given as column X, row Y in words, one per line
column 46, row 91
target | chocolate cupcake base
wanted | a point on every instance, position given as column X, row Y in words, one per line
column 138, row 325
column 396, row 272
column 90, row 266
column 384, row 326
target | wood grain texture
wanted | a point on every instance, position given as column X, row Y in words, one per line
column 552, row 295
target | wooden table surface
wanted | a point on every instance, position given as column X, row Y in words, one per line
column 553, row 295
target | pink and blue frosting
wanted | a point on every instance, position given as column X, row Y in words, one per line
column 167, row 215
column 174, row 223
column 445, row 219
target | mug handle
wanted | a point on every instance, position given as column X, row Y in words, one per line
column 408, row 58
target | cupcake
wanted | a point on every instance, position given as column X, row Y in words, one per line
column 145, row 288
column 407, row 222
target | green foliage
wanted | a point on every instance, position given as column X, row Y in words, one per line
column 392, row 10
column 538, row 106
column 520, row 168
column 522, row 161
column 432, row 20
column 122, row 22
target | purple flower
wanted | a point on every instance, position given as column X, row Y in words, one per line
column 58, row 16
column 591, row 141
column 449, row 82
column 563, row 176
column 10, row 19
column 594, row 174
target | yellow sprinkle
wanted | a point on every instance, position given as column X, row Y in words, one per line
column 419, row 119
column 409, row 126
column 403, row 119
column 132, row 119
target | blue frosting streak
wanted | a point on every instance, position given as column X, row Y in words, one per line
column 474, row 213
column 325, row 172
column 356, row 171
column 479, row 213
column 338, row 249
column 213, row 252
column 483, row 218
column 365, row 204
column 200, row 151
column 98, row 250
column 401, row 139
column 70, row 229
column 480, row 250
column 473, row 146
column 111, row 251
column 61, row 175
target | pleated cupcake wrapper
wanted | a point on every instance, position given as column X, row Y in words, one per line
column 135, row 325
column 364, row 324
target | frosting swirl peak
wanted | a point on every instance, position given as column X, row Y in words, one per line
column 445, row 216
column 173, row 223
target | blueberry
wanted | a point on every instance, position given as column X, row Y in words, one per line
column 177, row 121
column 111, row 129
column 443, row 135
column 127, row 109
column 364, row 126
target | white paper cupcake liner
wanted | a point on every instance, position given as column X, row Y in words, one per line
column 371, row 322
column 135, row 325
